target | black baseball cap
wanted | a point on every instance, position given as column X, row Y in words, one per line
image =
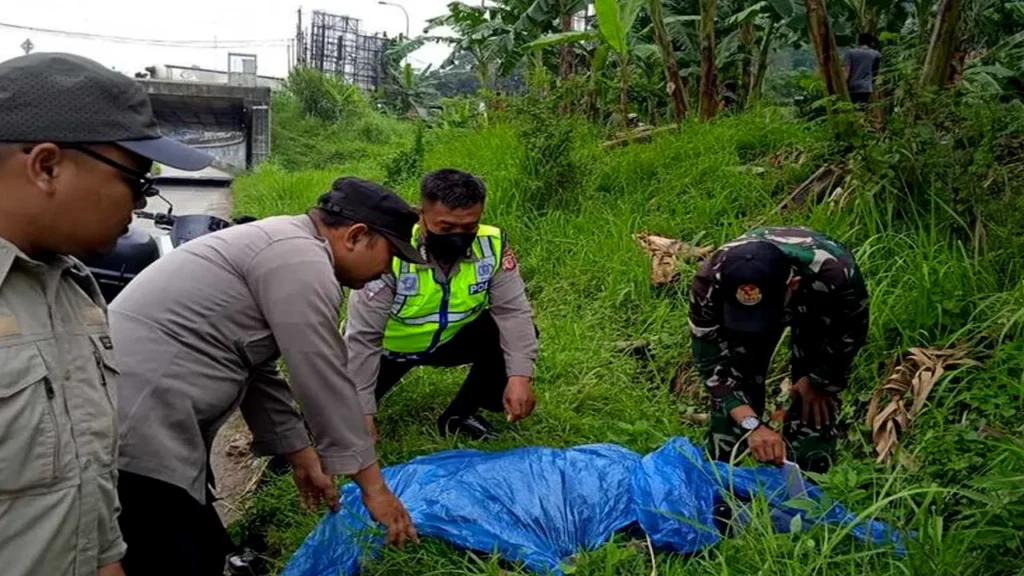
column 68, row 99
column 379, row 208
column 753, row 279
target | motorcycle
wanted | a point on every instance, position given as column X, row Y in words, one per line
column 137, row 248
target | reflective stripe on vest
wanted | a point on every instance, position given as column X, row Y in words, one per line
column 426, row 313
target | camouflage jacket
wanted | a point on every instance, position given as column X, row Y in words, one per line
column 828, row 315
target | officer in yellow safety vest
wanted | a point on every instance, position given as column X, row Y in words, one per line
column 467, row 305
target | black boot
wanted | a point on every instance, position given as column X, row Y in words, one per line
column 474, row 427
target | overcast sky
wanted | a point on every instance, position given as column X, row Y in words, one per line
column 202, row 20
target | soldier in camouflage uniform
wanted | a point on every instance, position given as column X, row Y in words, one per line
column 741, row 300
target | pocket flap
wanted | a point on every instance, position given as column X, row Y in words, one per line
column 21, row 365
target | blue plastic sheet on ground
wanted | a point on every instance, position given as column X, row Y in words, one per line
column 540, row 506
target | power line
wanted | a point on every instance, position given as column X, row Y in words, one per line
column 195, row 44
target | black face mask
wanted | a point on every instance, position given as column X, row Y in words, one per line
column 449, row 247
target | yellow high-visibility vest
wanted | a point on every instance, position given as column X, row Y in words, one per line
column 425, row 313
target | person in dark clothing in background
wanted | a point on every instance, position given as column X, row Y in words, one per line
column 860, row 67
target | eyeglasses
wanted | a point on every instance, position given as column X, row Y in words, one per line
column 141, row 185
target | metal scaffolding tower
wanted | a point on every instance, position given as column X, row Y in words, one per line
column 334, row 45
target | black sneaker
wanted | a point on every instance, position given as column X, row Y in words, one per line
column 474, row 427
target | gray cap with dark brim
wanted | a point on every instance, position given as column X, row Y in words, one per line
column 68, row 99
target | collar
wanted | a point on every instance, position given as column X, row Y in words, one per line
column 306, row 223
column 9, row 254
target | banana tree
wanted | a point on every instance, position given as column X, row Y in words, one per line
column 615, row 20
column 544, row 12
column 824, row 43
column 482, row 32
column 708, row 70
column 673, row 82
column 937, row 65
column 767, row 18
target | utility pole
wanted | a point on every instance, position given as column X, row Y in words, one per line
column 402, row 8
column 27, row 45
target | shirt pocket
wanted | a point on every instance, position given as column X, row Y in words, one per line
column 29, row 442
column 106, row 368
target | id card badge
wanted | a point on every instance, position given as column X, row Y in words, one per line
column 408, row 285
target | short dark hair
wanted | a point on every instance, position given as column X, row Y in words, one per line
column 453, row 189
column 867, row 39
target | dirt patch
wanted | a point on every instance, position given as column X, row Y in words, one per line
column 236, row 470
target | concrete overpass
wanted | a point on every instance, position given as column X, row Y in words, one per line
column 230, row 122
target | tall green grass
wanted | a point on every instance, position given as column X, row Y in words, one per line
column 570, row 221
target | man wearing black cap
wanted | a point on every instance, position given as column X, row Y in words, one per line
column 76, row 144
column 199, row 333
column 741, row 300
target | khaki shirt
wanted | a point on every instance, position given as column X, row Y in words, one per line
column 199, row 333
column 368, row 311
column 58, row 496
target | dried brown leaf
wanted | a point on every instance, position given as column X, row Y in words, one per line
column 665, row 254
column 908, row 386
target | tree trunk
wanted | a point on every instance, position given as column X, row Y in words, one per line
column 825, row 49
column 762, row 62
column 565, row 65
column 708, row 73
column 565, row 52
column 624, row 89
column 652, row 111
column 746, row 60
column 673, row 83
column 940, row 54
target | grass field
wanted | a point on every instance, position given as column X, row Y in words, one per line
column 570, row 208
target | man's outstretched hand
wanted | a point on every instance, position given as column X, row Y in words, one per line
column 766, row 445
column 386, row 508
column 315, row 487
column 817, row 406
column 518, row 400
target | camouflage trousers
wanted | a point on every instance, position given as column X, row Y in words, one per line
column 811, row 448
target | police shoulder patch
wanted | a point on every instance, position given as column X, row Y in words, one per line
column 508, row 260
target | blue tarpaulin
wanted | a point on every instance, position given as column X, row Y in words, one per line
column 539, row 506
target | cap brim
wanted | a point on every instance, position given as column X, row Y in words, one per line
column 405, row 250
column 739, row 318
column 169, row 152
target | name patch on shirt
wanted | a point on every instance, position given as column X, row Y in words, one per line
column 9, row 326
column 93, row 315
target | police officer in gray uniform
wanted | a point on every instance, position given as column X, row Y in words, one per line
column 76, row 143
column 199, row 333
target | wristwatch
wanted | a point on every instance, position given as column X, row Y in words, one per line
column 750, row 423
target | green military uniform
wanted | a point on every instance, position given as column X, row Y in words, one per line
column 828, row 317
column 58, row 502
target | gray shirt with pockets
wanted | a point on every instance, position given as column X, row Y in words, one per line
column 58, row 432
column 199, row 333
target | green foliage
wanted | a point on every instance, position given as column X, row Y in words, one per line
column 323, row 97
column 615, row 19
column 932, row 213
column 405, row 164
column 302, row 142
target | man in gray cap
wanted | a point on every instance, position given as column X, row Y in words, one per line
column 76, row 144
column 199, row 333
